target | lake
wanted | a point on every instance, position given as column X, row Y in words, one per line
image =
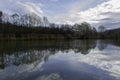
column 60, row 60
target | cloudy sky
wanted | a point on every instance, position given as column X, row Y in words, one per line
column 96, row 12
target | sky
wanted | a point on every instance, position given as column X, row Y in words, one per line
column 95, row 12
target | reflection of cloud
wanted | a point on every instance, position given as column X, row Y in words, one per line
column 23, row 69
column 53, row 76
column 18, row 71
column 108, row 62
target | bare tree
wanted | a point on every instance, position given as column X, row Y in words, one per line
column 102, row 29
column 15, row 18
column 1, row 16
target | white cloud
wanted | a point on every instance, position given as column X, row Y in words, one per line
column 20, row 7
column 106, row 14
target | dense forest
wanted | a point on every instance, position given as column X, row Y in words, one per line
column 110, row 34
column 30, row 27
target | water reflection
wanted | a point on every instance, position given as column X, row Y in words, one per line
column 42, row 60
column 102, row 44
column 17, row 53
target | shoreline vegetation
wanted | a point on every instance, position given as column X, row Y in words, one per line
column 13, row 32
column 26, row 31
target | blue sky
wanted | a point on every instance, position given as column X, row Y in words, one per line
column 62, row 6
column 96, row 12
column 54, row 7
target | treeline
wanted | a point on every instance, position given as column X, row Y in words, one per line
column 16, row 30
column 13, row 30
column 110, row 34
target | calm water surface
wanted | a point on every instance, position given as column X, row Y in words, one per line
column 60, row 60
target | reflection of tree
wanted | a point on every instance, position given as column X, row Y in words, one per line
column 85, row 46
column 22, row 58
column 2, row 65
column 115, row 42
column 27, row 52
column 102, row 44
